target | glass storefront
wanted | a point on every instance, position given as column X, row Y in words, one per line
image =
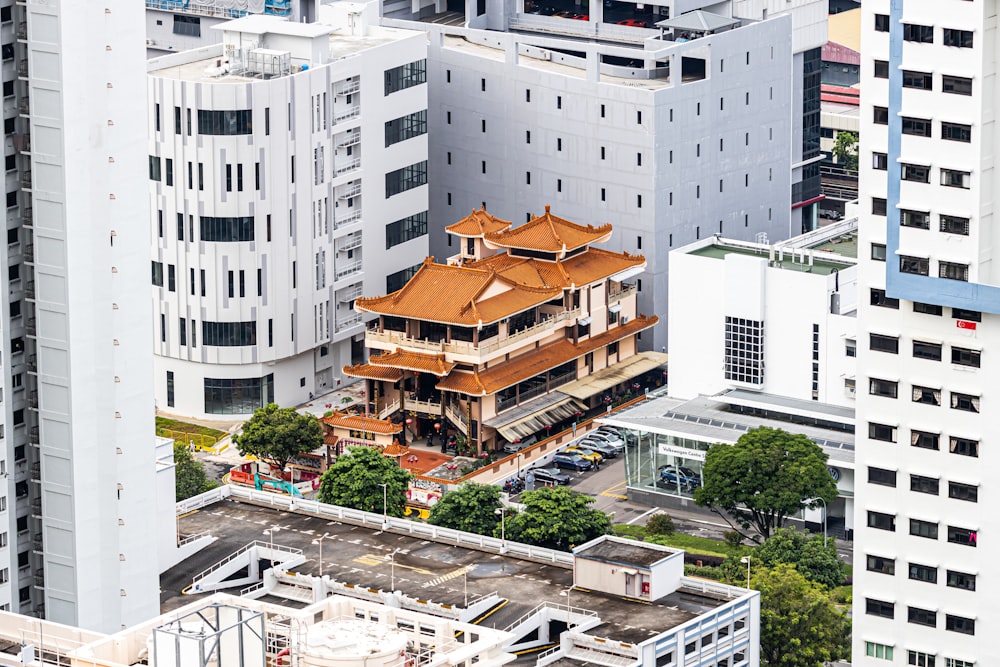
column 224, row 396
column 664, row 463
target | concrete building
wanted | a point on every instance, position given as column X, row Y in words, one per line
column 287, row 178
column 743, row 357
column 532, row 312
column 926, row 559
column 173, row 26
column 707, row 125
column 77, row 451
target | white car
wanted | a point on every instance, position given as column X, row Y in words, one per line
column 609, row 438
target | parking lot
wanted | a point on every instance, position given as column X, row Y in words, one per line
column 622, row 13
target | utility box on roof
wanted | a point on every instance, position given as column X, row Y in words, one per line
column 627, row 567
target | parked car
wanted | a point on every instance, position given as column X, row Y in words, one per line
column 515, row 447
column 584, row 453
column 581, row 17
column 634, row 23
column 599, row 446
column 610, row 438
column 550, row 476
column 674, row 475
column 571, row 462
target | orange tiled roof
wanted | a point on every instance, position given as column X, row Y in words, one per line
column 361, row 423
column 413, row 361
column 394, row 449
column 548, row 233
column 478, row 223
column 527, row 365
column 458, row 295
column 595, row 264
column 587, row 267
column 373, row 372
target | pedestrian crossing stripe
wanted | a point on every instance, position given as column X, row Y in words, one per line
column 454, row 574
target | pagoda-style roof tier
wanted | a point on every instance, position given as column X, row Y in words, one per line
column 548, row 233
column 539, row 360
column 477, row 224
column 458, row 295
column 394, row 449
column 413, row 361
column 370, row 372
column 582, row 269
column 361, row 423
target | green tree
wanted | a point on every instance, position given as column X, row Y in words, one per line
column 557, row 518
column 807, row 553
column 660, row 523
column 800, row 626
column 471, row 507
column 762, row 479
column 356, row 480
column 190, row 477
column 277, row 435
column 845, row 149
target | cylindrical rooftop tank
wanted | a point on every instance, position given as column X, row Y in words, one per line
column 352, row 643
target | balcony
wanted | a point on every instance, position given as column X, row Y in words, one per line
column 468, row 348
column 349, row 190
column 347, row 87
column 614, row 296
column 346, row 270
column 351, row 293
column 29, row 253
column 346, row 166
column 388, row 409
column 348, row 321
column 346, row 113
column 33, row 399
column 24, row 106
column 22, row 68
column 426, row 407
column 22, row 30
column 349, row 242
column 31, row 362
column 457, row 417
column 29, row 290
column 349, row 218
column 27, row 216
column 29, row 326
column 26, row 179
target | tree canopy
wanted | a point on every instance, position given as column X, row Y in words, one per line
column 277, row 435
column 356, row 479
column 800, row 626
column 190, row 478
column 471, row 507
column 557, row 518
column 806, row 552
column 766, row 476
column 845, row 149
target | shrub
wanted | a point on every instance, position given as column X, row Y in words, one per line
column 706, row 572
column 732, row 539
column 660, row 524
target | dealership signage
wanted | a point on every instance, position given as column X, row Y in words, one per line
column 683, row 452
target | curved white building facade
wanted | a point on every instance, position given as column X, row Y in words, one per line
column 287, row 178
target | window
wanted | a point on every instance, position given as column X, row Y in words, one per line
column 970, row 315
column 955, row 662
column 965, row 402
column 920, row 659
column 170, row 389
column 878, row 651
column 878, row 298
column 885, row 388
column 956, row 85
column 881, row 69
column 921, row 484
column 926, row 308
column 744, row 350
column 924, row 573
column 882, row 565
column 966, row 492
column 916, row 265
column 406, row 127
column 920, row 80
column 154, row 168
column 171, row 278
column 395, row 281
column 158, row 273
column 878, row 206
column 227, row 230
column 881, row 115
column 850, row 348
column 924, row 440
column 926, row 395
column 956, row 132
column 189, row 26
column 953, row 271
column 880, row 161
column 952, row 178
column 963, row 356
column 921, row 616
column 926, row 529
column 881, row 476
column 882, row 432
column 880, row 343
column 229, row 334
column 913, row 32
column 918, row 127
column 924, row 350
column 879, row 608
column 170, row 171
column 406, row 178
column 881, row 23
column 240, row 396
column 951, row 224
column 961, row 580
column 405, row 76
column 881, row 521
column 225, row 122
column 401, row 231
column 916, row 219
column 916, row 173
column 966, row 626
column 963, row 446
column 959, row 38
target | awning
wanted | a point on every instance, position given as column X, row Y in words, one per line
column 583, row 321
column 616, row 308
column 534, row 416
column 698, row 21
column 608, row 377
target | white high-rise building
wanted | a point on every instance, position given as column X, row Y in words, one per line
column 925, row 573
column 77, row 445
column 288, row 171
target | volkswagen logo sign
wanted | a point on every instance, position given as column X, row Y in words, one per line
column 834, row 472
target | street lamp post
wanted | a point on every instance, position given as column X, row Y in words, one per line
column 385, row 505
column 746, row 559
column 321, row 553
column 503, row 529
column 809, row 500
column 392, row 569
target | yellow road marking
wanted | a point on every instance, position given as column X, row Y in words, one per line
column 607, row 493
column 181, row 516
column 373, row 560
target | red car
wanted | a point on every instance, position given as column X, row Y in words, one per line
column 635, row 23
column 581, row 17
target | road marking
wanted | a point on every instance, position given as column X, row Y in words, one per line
column 373, row 560
column 643, row 515
column 607, row 493
column 451, row 575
